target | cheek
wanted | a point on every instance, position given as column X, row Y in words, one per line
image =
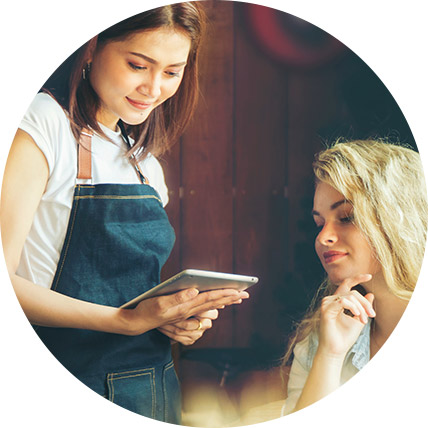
column 366, row 253
column 118, row 83
column 102, row 87
column 375, row 265
column 109, row 79
column 170, row 88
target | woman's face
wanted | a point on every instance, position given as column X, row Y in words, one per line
column 133, row 76
column 342, row 248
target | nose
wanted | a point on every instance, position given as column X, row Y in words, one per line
column 151, row 86
column 328, row 235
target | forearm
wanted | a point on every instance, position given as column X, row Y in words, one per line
column 323, row 378
column 48, row 308
column 51, row 309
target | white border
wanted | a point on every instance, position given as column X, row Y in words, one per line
column 388, row 35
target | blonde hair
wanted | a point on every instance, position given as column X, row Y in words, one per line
column 386, row 186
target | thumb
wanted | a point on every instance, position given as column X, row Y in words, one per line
column 184, row 296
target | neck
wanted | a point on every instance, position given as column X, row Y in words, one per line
column 388, row 307
column 389, row 310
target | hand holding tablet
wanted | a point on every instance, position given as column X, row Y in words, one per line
column 193, row 278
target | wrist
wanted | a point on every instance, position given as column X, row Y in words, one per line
column 329, row 357
column 120, row 321
column 127, row 323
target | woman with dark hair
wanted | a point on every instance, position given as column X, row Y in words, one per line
column 83, row 223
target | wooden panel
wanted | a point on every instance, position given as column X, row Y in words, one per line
column 207, row 163
column 172, row 170
column 206, row 153
column 260, row 216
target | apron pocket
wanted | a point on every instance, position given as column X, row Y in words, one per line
column 134, row 390
column 172, row 395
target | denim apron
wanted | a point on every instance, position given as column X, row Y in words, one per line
column 117, row 240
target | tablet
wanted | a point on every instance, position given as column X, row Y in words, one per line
column 203, row 280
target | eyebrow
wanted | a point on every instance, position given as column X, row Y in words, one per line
column 332, row 206
column 153, row 61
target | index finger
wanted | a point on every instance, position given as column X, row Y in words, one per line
column 346, row 285
column 212, row 300
column 223, row 292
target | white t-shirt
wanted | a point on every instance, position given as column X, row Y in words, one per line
column 48, row 125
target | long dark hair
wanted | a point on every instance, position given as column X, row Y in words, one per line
column 165, row 123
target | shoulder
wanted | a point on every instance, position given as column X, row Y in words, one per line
column 44, row 106
column 44, row 116
column 46, row 100
column 305, row 350
column 48, row 125
column 153, row 164
column 300, row 368
column 154, row 173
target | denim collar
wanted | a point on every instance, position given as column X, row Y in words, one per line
column 360, row 350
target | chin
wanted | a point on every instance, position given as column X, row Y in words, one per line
column 335, row 281
column 337, row 278
column 135, row 119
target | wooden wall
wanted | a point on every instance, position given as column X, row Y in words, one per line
column 240, row 178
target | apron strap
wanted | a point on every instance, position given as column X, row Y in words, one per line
column 84, row 156
column 84, row 161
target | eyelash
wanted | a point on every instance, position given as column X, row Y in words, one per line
column 136, row 67
column 173, row 73
column 348, row 219
column 343, row 220
column 140, row 68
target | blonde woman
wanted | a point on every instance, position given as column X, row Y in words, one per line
column 370, row 206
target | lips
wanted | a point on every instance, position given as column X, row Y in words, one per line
column 141, row 105
column 332, row 256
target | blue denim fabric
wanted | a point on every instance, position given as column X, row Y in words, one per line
column 117, row 241
column 359, row 354
column 153, row 392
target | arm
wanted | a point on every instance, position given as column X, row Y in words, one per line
column 338, row 332
column 25, row 179
column 323, row 378
column 304, row 372
column 297, row 377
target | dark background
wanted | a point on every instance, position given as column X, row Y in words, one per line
column 274, row 90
